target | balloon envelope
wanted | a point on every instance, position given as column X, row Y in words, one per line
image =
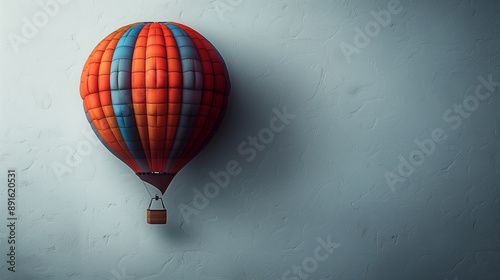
column 155, row 94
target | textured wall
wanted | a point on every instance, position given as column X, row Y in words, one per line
column 384, row 166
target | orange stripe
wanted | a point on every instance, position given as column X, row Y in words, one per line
column 156, row 93
column 138, row 82
column 95, row 91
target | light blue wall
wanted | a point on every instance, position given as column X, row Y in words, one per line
column 345, row 170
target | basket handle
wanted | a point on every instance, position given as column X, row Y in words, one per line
column 156, row 198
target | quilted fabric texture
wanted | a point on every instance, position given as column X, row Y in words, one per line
column 155, row 94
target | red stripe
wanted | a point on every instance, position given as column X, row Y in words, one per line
column 138, row 82
column 174, row 91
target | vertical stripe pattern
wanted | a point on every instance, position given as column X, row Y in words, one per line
column 155, row 94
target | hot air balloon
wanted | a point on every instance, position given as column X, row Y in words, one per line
column 155, row 93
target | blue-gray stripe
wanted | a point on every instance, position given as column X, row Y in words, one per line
column 121, row 94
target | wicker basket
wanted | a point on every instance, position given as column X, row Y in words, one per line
column 157, row 216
